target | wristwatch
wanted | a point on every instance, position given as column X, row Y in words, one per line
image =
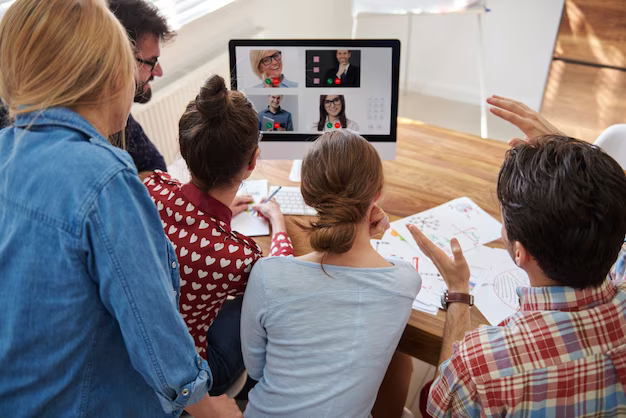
column 448, row 298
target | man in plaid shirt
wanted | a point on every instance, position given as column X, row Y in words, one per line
column 563, row 354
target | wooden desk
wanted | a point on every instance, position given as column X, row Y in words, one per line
column 432, row 166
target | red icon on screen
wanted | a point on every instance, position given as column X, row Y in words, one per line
column 275, row 80
column 337, row 125
column 276, row 125
column 337, row 81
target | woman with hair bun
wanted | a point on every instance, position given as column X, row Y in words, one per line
column 318, row 331
column 219, row 140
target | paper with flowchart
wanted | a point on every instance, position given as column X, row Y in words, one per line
column 429, row 297
column 493, row 276
column 246, row 222
column 459, row 218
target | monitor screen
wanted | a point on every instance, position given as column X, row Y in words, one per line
column 301, row 88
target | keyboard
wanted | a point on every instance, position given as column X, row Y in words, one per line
column 291, row 201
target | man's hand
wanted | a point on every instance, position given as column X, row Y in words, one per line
column 527, row 120
column 342, row 69
column 455, row 272
column 240, row 204
column 379, row 221
column 215, row 407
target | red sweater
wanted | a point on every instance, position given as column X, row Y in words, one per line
column 215, row 261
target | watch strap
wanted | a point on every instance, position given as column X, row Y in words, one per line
column 449, row 298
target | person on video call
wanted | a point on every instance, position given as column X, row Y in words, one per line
column 349, row 74
column 333, row 114
column 277, row 114
column 267, row 64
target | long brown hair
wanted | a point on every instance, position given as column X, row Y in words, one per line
column 323, row 113
column 218, row 134
column 342, row 175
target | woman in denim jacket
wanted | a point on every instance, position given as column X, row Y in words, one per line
column 88, row 281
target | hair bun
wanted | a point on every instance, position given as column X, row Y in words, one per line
column 213, row 99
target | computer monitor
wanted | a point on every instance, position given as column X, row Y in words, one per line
column 302, row 88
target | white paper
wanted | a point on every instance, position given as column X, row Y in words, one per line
column 395, row 248
column 430, row 309
column 496, row 297
column 460, row 218
column 247, row 223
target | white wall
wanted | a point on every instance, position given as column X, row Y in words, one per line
column 519, row 37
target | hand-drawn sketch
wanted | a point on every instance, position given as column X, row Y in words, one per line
column 460, row 218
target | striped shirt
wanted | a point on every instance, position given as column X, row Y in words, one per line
column 563, row 354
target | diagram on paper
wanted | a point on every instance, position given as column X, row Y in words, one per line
column 460, row 218
column 505, row 287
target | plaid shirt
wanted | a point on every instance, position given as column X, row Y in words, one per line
column 562, row 355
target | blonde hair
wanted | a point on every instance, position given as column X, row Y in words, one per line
column 66, row 53
column 342, row 175
column 256, row 55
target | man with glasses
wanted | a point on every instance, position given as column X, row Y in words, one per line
column 147, row 29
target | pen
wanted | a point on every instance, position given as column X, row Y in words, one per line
column 273, row 194
column 269, row 198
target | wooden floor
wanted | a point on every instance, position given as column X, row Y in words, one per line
column 583, row 100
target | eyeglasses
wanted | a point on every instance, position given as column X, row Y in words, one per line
column 268, row 60
column 336, row 101
column 152, row 64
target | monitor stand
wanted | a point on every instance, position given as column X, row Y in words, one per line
column 294, row 174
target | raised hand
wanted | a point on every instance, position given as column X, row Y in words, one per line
column 455, row 271
column 531, row 123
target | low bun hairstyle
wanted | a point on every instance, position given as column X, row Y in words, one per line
column 218, row 134
column 342, row 175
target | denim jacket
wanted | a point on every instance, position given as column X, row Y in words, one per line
column 89, row 325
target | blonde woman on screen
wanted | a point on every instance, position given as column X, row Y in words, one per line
column 88, row 280
column 267, row 64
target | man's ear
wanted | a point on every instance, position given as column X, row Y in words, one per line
column 521, row 256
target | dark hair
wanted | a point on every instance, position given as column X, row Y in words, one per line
column 342, row 175
column 323, row 114
column 139, row 17
column 218, row 134
column 564, row 200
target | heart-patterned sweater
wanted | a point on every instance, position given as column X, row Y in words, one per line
column 215, row 261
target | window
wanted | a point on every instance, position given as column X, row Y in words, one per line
column 177, row 12
column 181, row 12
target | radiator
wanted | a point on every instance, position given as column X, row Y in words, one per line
column 159, row 117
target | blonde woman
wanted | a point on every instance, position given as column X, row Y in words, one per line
column 88, row 280
column 318, row 331
column 267, row 64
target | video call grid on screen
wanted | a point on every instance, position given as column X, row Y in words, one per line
column 358, row 77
